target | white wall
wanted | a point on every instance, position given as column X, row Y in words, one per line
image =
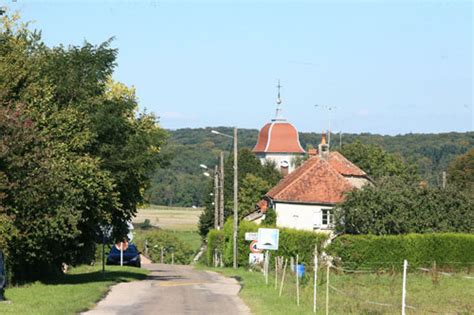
column 301, row 217
column 278, row 158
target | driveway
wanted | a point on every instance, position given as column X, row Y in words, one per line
column 174, row 289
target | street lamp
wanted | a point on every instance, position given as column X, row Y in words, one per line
column 215, row 194
column 236, row 187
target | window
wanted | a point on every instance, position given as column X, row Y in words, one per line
column 327, row 218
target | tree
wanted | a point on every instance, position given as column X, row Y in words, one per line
column 395, row 206
column 251, row 191
column 75, row 152
column 376, row 162
column 461, row 172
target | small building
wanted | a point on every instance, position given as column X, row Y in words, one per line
column 278, row 142
column 305, row 198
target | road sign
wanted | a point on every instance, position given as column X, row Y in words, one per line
column 254, row 247
column 251, row 236
column 255, row 258
column 268, row 239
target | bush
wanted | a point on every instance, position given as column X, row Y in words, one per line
column 215, row 241
column 449, row 250
column 291, row 242
column 156, row 239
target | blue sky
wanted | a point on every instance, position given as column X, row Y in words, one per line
column 389, row 67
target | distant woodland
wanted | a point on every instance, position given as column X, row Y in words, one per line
column 182, row 183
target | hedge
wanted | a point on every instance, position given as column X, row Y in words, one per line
column 448, row 250
column 291, row 243
column 215, row 240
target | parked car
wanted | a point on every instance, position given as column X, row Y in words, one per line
column 131, row 256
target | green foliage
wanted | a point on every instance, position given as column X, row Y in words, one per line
column 376, row 162
column 254, row 180
column 215, row 242
column 183, row 184
column 270, row 217
column 461, row 172
column 291, row 243
column 75, row 151
column 156, row 239
column 449, row 250
column 251, row 191
column 395, row 206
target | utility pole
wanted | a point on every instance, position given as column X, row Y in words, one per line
column 216, row 198
column 221, row 192
column 236, row 208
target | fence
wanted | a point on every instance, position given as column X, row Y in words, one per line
column 330, row 289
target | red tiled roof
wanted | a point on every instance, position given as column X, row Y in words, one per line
column 317, row 181
column 278, row 137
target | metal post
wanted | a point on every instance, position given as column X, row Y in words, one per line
column 327, row 289
column 444, row 180
column 121, row 253
column 404, row 292
column 236, row 208
column 216, row 199
column 315, row 277
column 161, row 255
column 297, row 282
column 221, row 192
column 103, row 252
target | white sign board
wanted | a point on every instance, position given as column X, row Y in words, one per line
column 255, row 258
column 251, row 236
column 268, row 239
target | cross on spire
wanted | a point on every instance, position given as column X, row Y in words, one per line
column 278, row 115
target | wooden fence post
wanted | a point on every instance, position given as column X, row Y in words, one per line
column 297, row 282
column 283, row 277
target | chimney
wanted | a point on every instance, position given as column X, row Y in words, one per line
column 323, row 148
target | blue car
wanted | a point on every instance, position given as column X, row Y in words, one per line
column 131, row 256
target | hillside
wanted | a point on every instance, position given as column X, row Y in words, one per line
column 181, row 183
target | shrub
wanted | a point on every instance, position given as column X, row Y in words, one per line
column 156, row 239
column 215, row 241
column 291, row 243
column 449, row 250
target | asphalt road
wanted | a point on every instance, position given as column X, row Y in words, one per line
column 174, row 289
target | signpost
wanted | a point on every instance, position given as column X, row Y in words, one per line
column 254, row 247
column 251, row 236
column 268, row 239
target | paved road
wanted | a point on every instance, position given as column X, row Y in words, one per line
column 174, row 290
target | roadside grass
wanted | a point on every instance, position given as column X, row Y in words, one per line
column 169, row 218
column 76, row 291
column 356, row 294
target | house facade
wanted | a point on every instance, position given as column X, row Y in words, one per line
column 305, row 198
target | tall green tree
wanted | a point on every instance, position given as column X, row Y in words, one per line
column 461, row 172
column 395, row 206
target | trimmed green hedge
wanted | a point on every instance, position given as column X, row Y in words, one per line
column 215, row 240
column 448, row 250
column 291, row 242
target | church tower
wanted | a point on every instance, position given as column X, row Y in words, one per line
column 278, row 141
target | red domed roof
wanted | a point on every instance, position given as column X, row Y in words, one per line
column 278, row 137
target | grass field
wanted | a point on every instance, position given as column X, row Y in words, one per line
column 170, row 218
column 72, row 293
column 356, row 294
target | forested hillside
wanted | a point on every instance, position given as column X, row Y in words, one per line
column 183, row 184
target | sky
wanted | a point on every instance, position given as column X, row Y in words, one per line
column 386, row 67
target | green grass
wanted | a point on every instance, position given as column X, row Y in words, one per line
column 192, row 238
column 169, row 218
column 453, row 295
column 74, row 292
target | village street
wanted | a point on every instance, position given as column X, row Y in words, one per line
column 174, row 289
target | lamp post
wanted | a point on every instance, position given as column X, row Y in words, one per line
column 216, row 194
column 236, row 187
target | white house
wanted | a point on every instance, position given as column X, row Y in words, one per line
column 305, row 198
